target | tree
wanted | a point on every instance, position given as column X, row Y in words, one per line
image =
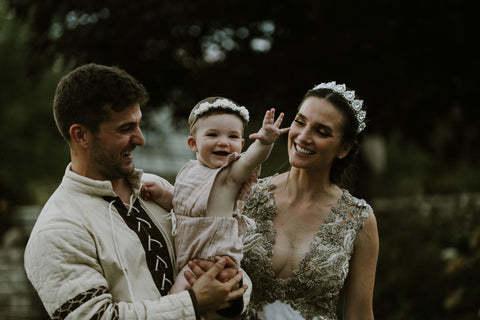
column 414, row 64
column 31, row 147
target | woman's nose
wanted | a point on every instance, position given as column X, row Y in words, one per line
column 304, row 135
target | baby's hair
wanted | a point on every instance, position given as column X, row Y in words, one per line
column 211, row 106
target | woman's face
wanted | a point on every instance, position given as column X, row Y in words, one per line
column 315, row 137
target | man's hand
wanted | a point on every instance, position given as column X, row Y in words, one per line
column 213, row 294
column 199, row 267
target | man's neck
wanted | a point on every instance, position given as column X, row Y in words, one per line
column 122, row 189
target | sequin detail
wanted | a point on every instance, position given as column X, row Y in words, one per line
column 315, row 286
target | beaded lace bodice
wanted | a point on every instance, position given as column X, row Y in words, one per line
column 315, row 285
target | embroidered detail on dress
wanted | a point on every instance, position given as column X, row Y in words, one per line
column 315, row 285
column 72, row 304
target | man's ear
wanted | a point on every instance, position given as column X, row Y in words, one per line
column 192, row 144
column 79, row 135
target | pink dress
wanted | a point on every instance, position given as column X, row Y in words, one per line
column 198, row 236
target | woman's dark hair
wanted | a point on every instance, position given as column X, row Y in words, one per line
column 90, row 93
column 341, row 171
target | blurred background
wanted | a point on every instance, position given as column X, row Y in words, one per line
column 415, row 63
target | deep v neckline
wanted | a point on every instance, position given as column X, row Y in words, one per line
column 316, row 236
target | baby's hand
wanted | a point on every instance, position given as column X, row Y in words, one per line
column 270, row 131
column 152, row 191
column 145, row 190
column 161, row 195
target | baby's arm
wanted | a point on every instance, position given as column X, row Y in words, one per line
column 162, row 196
column 259, row 151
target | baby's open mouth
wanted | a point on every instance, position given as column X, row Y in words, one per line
column 221, row 153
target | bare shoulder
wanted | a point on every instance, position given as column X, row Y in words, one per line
column 368, row 235
column 279, row 179
column 371, row 221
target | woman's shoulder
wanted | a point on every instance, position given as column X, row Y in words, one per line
column 354, row 201
column 268, row 183
column 359, row 208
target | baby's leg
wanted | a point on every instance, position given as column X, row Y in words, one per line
column 181, row 282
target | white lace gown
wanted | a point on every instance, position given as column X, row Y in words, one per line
column 314, row 288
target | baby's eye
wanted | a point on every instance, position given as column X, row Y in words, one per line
column 234, row 136
column 298, row 122
column 211, row 134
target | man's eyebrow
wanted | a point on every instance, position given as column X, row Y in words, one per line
column 128, row 124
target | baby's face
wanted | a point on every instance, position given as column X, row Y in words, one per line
column 217, row 136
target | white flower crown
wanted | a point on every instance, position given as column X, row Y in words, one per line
column 355, row 104
column 222, row 104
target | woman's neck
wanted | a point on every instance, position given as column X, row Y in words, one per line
column 310, row 185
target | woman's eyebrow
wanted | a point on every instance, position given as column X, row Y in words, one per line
column 301, row 115
column 316, row 125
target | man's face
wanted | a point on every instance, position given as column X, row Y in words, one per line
column 111, row 148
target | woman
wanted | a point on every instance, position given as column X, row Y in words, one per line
column 312, row 237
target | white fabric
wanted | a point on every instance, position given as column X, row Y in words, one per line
column 71, row 251
column 280, row 311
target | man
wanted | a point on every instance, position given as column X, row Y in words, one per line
column 97, row 249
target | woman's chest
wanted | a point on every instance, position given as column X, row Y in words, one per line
column 296, row 231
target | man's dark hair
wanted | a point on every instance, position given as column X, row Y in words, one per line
column 90, row 93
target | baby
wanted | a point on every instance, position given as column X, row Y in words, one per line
column 207, row 189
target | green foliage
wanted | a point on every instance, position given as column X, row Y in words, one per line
column 415, row 69
column 429, row 257
column 33, row 156
column 412, row 63
column 411, row 169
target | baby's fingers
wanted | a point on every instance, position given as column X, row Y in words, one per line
column 284, row 130
column 279, row 120
column 269, row 116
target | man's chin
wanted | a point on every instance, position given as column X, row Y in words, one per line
column 125, row 171
column 130, row 169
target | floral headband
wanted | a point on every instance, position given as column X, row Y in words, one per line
column 222, row 104
column 355, row 104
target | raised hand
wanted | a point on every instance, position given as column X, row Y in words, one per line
column 270, row 130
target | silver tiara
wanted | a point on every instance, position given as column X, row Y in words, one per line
column 355, row 104
column 223, row 104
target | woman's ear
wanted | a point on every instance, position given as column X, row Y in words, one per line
column 344, row 150
column 79, row 135
column 192, row 143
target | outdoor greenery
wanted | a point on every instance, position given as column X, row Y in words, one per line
column 414, row 64
column 33, row 155
column 429, row 257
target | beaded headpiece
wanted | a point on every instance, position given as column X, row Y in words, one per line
column 222, row 104
column 355, row 104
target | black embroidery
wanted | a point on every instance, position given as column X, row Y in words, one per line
column 72, row 304
column 153, row 242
